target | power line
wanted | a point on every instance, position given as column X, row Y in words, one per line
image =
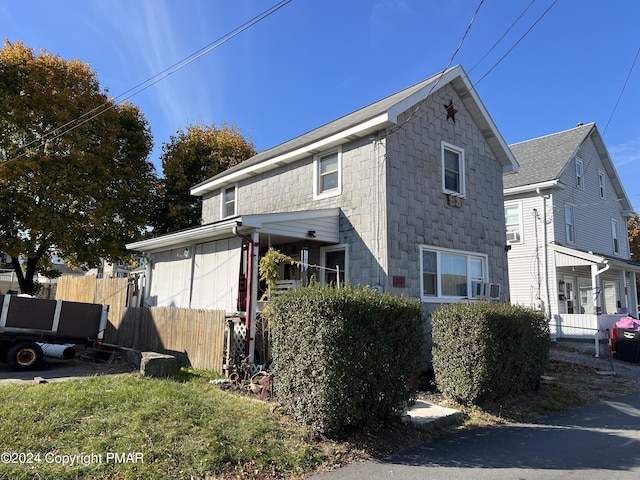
column 502, row 36
column 142, row 86
column 517, row 42
column 621, row 92
column 455, row 53
column 473, row 85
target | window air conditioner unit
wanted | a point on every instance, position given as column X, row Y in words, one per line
column 478, row 289
column 485, row 290
column 513, row 237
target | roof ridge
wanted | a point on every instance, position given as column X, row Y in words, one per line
column 591, row 124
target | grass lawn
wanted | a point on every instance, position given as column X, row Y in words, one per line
column 131, row 427
column 127, row 427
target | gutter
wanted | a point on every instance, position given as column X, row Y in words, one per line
column 545, row 249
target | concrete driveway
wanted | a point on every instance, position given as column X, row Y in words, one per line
column 56, row 370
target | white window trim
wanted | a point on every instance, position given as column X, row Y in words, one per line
column 223, row 203
column 602, row 188
column 334, row 192
column 573, row 218
column 339, row 247
column 579, row 178
column 615, row 226
column 521, row 226
column 439, row 298
column 460, row 151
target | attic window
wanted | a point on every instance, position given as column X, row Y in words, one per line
column 601, row 184
column 453, row 169
column 579, row 174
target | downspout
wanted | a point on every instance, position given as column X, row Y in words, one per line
column 595, row 282
column 248, row 308
column 545, row 249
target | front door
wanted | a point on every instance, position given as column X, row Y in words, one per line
column 570, row 296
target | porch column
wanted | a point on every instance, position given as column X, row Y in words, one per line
column 624, row 290
column 595, row 288
column 597, row 303
column 633, row 295
column 251, row 334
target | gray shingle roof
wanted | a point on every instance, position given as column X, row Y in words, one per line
column 542, row 159
column 333, row 127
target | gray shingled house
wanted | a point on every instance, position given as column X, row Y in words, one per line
column 566, row 213
column 404, row 195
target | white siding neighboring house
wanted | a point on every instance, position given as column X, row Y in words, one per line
column 404, row 195
column 566, row 213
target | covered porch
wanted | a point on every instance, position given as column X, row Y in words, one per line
column 215, row 266
column 593, row 292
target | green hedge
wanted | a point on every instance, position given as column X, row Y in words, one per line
column 486, row 351
column 343, row 357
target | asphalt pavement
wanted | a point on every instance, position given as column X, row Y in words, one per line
column 595, row 442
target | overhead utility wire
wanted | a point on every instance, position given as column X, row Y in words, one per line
column 517, row 42
column 621, row 92
column 502, row 36
column 142, row 86
column 455, row 53
column 473, row 85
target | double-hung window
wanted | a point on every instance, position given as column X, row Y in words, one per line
column 448, row 274
column 328, row 175
column 579, row 174
column 453, row 181
column 229, row 202
column 602, row 185
column 569, row 224
column 616, row 236
column 513, row 222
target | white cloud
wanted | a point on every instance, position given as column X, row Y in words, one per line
column 626, row 153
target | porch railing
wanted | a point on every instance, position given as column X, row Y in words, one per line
column 584, row 326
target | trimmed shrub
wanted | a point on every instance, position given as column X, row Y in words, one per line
column 486, row 351
column 343, row 357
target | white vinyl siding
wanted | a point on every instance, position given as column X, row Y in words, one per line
column 592, row 214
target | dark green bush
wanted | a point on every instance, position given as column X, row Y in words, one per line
column 342, row 357
column 486, row 351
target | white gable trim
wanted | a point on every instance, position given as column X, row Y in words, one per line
column 340, row 138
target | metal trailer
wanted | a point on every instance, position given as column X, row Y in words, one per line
column 27, row 321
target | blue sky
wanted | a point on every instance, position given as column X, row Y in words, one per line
column 313, row 61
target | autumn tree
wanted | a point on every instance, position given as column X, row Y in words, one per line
column 74, row 173
column 191, row 157
column 633, row 226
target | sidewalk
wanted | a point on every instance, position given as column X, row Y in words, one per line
column 428, row 415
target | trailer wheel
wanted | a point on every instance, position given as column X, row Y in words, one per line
column 25, row 356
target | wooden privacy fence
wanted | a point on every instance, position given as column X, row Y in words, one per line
column 195, row 336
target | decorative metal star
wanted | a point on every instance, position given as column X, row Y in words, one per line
column 451, row 112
